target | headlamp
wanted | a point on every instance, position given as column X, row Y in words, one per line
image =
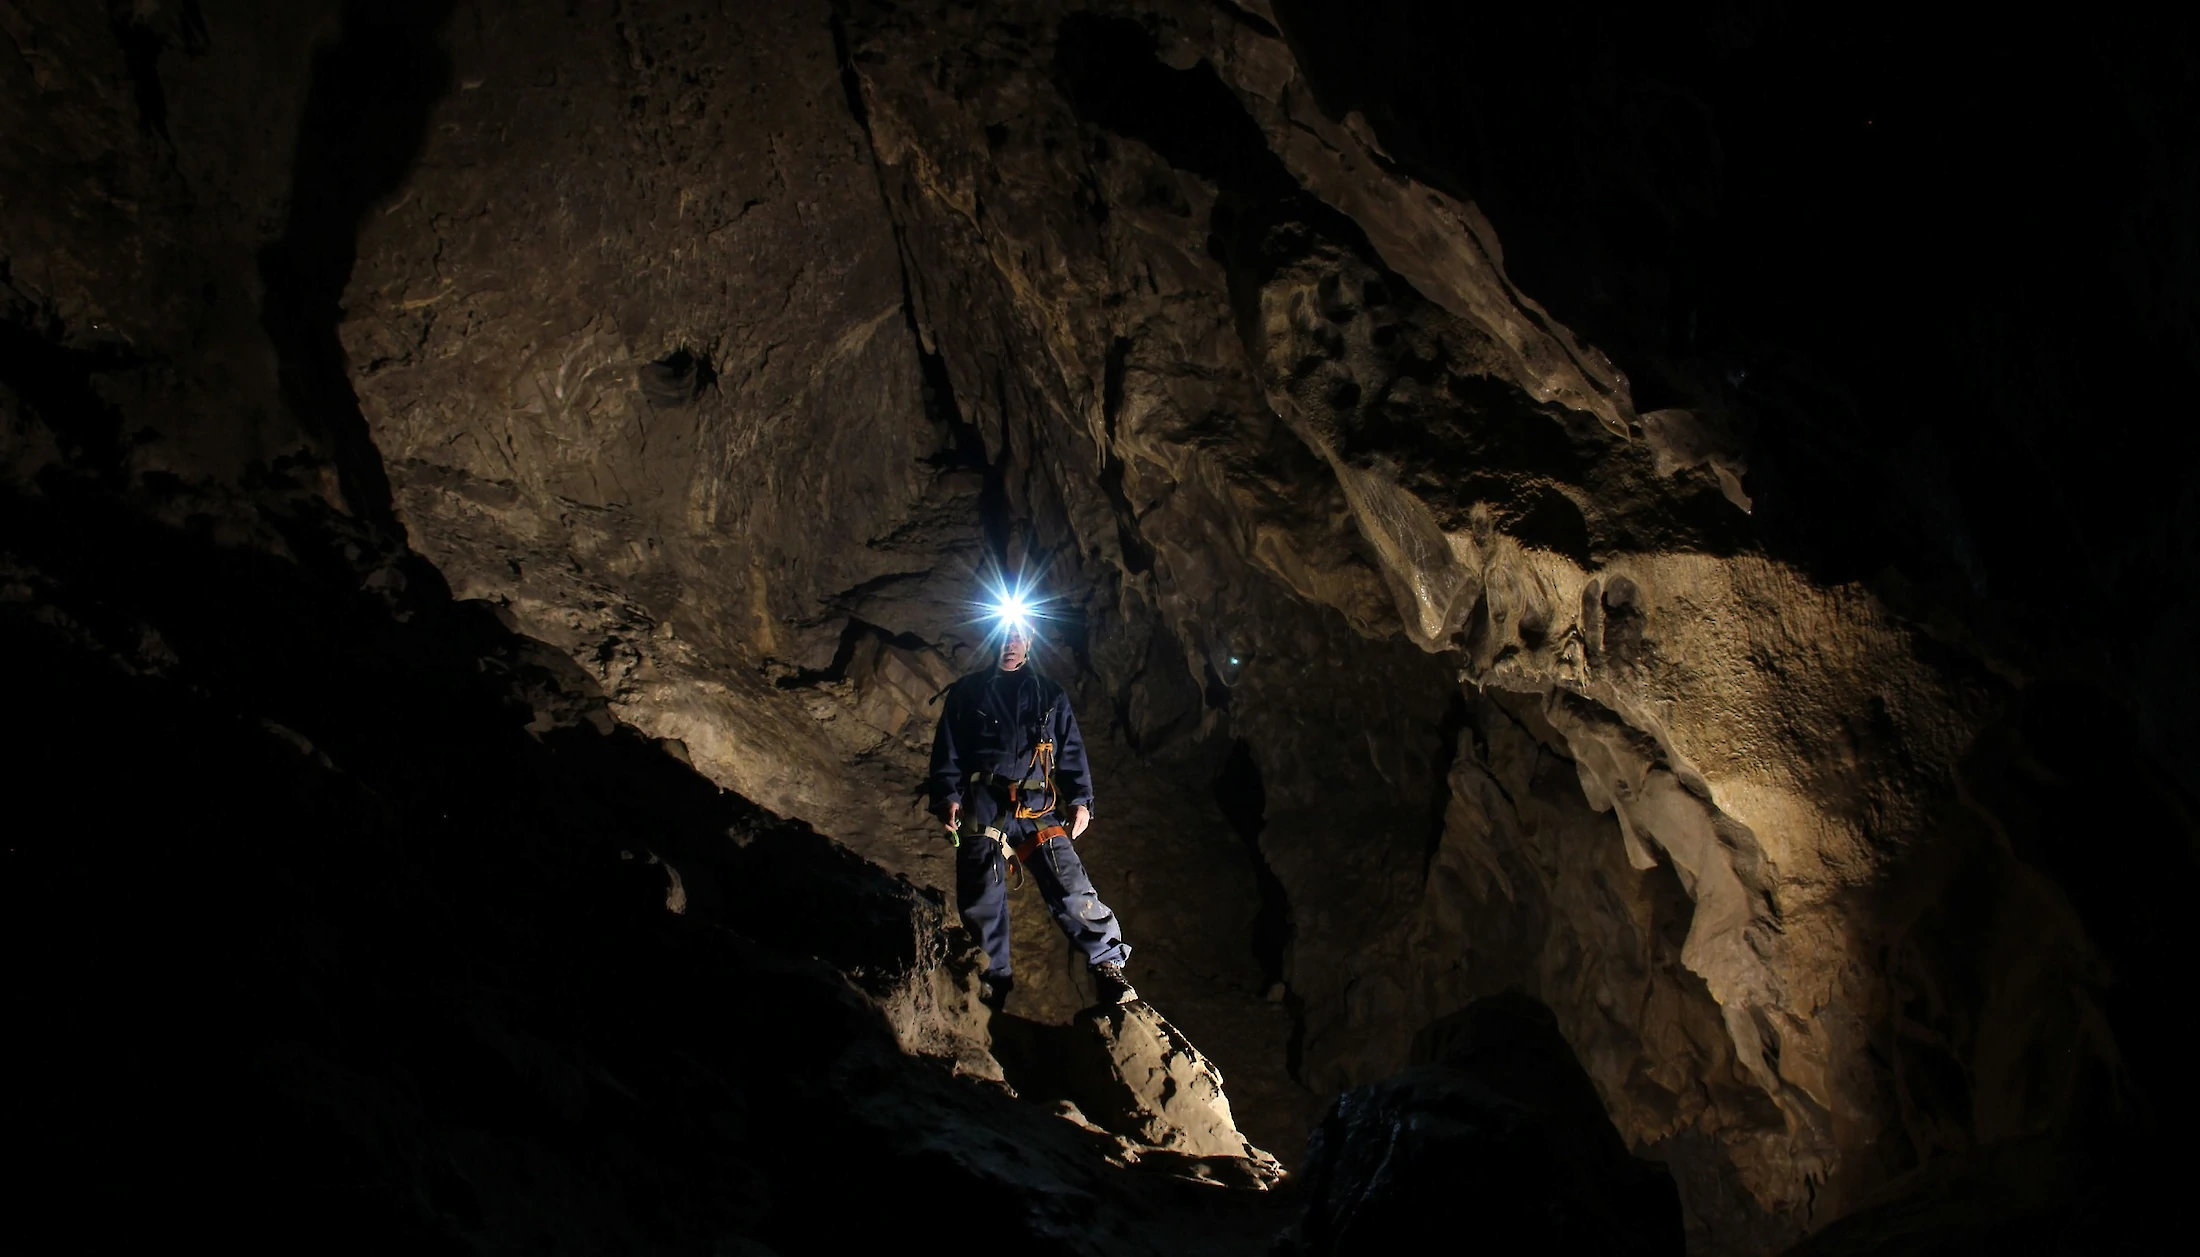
column 1013, row 607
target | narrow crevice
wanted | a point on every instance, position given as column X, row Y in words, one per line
column 850, row 86
column 965, row 446
column 1137, row 555
column 851, row 637
column 141, row 48
column 362, row 129
column 1451, row 732
column 1112, row 379
column 1243, row 798
column 144, row 32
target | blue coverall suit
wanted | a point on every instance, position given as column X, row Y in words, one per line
column 992, row 722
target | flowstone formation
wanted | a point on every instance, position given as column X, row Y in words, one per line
column 1478, row 579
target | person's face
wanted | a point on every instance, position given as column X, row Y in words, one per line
column 1015, row 648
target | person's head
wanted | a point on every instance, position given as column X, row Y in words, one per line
column 1015, row 647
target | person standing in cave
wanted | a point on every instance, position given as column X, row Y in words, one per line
column 1011, row 782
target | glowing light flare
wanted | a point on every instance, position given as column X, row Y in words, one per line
column 1011, row 608
column 1014, row 613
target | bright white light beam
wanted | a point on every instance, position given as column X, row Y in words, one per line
column 1013, row 612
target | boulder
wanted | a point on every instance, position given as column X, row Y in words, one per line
column 1124, row 1069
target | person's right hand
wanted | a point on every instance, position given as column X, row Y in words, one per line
column 954, row 814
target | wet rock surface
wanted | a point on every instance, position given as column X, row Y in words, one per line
column 1541, row 502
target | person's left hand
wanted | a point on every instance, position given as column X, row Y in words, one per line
column 1078, row 822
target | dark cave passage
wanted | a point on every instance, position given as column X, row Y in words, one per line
column 1628, row 616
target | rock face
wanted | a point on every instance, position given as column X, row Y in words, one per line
column 1502, row 539
column 349, row 917
column 1124, row 1069
column 1177, row 1091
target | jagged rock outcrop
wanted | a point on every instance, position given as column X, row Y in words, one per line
column 1178, row 1092
column 1125, row 1070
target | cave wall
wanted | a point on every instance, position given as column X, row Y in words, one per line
column 692, row 425
column 1590, row 566
column 632, row 342
column 1440, row 634
column 1109, row 291
column 1771, row 734
column 341, row 914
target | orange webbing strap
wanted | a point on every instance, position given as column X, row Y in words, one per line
column 1042, row 768
column 1031, row 844
column 1024, row 850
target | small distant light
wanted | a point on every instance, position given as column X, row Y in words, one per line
column 1233, row 661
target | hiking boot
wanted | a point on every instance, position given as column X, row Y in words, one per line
column 1114, row 988
column 993, row 989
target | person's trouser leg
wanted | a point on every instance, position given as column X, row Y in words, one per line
column 981, row 883
column 981, row 893
column 1067, row 889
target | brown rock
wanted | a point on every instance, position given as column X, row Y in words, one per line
column 1789, row 698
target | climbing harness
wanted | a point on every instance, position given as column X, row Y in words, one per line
column 1040, row 776
column 1018, row 854
column 1037, row 779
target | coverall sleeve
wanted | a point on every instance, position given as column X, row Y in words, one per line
column 947, row 772
column 1072, row 772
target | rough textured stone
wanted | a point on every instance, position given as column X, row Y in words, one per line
column 1537, row 500
column 444, row 953
column 1177, row 1090
column 1124, row 1069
